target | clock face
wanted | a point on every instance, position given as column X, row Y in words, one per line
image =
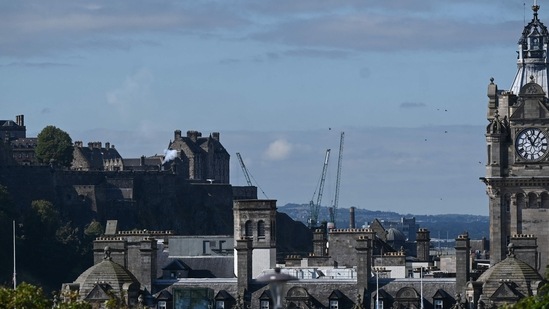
column 531, row 144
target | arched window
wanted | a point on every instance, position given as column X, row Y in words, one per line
column 261, row 229
column 545, row 200
column 532, row 200
column 248, row 230
column 521, row 202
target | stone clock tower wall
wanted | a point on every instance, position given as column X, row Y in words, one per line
column 517, row 138
column 517, row 173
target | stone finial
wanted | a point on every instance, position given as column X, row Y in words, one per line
column 107, row 251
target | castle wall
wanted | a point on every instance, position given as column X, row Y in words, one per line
column 148, row 200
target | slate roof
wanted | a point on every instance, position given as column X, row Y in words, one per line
column 29, row 142
column 509, row 269
column 106, row 271
column 214, row 267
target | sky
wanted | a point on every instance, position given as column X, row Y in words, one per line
column 280, row 80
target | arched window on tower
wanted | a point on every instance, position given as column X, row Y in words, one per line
column 532, row 200
column 248, row 230
column 261, row 230
column 521, row 201
column 545, row 200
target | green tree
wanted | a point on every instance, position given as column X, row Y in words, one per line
column 70, row 301
column 43, row 218
column 93, row 229
column 54, row 144
column 24, row 296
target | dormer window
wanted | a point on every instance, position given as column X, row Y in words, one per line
column 536, row 43
column 535, row 40
column 265, row 304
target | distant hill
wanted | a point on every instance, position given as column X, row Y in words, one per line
column 446, row 226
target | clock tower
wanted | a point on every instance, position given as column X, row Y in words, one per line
column 517, row 137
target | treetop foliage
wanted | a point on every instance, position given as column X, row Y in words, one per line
column 54, row 144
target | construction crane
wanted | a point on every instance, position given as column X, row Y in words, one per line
column 244, row 169
column 333, row 210
column 247, row 175
column 315, row 207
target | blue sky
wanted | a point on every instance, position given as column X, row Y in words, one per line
column 406, row 81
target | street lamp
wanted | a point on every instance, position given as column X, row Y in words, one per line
column 277, row 285
column 377, row 270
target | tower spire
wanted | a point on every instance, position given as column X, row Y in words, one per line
column 532, row 50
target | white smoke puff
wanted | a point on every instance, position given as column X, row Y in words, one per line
column 278, row 150
column 169, row 154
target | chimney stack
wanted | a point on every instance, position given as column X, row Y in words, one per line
column 423, row 242
column 352, row 217
column 192, row 135
column 177, row 135
column 463, row 265
column 20, row 120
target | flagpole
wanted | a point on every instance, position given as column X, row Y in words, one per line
column 14, row 265
column 421, row 282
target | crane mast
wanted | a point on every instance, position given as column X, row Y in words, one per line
column 315, row 207
column 333, row 210
column 244, row 169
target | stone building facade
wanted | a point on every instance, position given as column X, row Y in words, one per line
column 205, row 157
column 14, row 135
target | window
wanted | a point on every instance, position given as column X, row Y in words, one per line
column 161, row 305
column 196, row 298
column 521, row 202
column 219, row 304
column 334, row 304
column 439, row 304
column 248, row 231
column 264, row 304
column 261, row 229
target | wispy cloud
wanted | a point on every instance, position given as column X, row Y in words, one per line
column 411, row 104
column 132, row 92
column 278, row 150
column 24, row 64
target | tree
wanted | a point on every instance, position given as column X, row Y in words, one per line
column 54, row 144
column 24, row 296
